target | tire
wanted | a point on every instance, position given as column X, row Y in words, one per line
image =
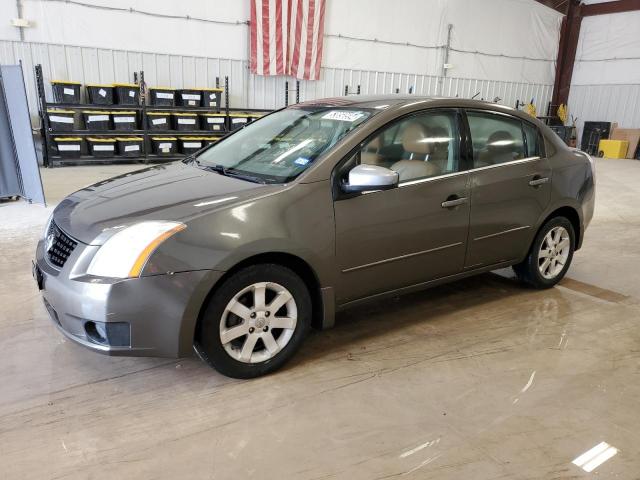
column 531, row 269
column 253, row 345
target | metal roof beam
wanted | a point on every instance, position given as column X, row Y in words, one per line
column 605, row 8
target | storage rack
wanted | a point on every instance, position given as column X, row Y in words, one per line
column 50, row 159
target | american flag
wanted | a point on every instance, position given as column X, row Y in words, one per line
column 286, row 37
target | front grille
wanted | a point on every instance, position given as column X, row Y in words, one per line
column 58, row 245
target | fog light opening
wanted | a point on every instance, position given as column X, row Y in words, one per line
column 112, row 334
column 96, row 332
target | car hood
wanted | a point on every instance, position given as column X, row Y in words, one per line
column 173, row 192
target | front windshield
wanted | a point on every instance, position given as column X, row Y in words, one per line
column 280, row 146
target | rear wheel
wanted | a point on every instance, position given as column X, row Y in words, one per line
column 550, row 255
column 255, row 321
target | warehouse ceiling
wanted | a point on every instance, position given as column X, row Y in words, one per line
column 562, row 5
column 558, row 5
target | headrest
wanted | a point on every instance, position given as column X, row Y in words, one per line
column 440, row 138
column 415, row 139
column 374, row 144
column 501, row 141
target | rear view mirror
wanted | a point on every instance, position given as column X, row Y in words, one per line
column 367, row 178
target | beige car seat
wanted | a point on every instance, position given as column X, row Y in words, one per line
column 414, row 142
column 370, row 153
column 501, row 148
column 440, row 154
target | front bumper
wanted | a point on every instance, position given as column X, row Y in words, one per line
column 161, row 311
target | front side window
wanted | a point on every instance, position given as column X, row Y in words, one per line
column 280, row 146
column 420, row 146
column 496, row 139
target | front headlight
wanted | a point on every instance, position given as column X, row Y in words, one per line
column 125, row 253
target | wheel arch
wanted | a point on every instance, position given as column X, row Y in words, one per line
column 293, row 262
column 571, row 214
column 567, row 211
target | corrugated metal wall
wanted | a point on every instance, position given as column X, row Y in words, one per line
column 333, row 82
column 609, row 103
column 96, row 65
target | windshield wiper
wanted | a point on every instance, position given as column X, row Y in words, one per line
column 216, row 168
column 222, row 170
column 244, row 176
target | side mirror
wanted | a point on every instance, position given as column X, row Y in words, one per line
column 368, row 178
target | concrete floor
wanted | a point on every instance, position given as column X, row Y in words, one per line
column 479, row 379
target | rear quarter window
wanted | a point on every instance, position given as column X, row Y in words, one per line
column 533, row 138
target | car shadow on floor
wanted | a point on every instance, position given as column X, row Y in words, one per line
column 425, row 309
column 388, row 323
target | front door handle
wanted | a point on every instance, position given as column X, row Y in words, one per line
column 454, row 201
column 538, row 180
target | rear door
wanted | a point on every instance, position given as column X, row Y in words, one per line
column 510, row 187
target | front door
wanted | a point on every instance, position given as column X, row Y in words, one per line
column 416, row 232
column 510, row 188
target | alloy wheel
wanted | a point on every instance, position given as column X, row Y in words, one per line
column 258, row 322
column 554, row 252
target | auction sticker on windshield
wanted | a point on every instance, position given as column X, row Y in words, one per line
column 343, row 115
column 301, row 161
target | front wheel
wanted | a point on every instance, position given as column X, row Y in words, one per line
column 255, row 321
column 550, row 255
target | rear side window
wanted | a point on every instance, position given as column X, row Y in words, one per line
column 533, row 139
column 496, row 139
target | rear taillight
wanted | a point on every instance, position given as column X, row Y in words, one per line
column 592, row 162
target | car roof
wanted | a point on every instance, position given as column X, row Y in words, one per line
column 363, row 101
column 384, row 102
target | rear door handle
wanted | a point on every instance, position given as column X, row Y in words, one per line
column 537, row 181
column 454, row 201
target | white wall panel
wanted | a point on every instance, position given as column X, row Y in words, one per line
column 514, row 40
column 605, row 85
column 93, row 65
column 608, row 103
column 608, row 50
column 8, row 11
column 517, row 39
column 71, row 24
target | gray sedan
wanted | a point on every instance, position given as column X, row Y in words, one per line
column 238, row 250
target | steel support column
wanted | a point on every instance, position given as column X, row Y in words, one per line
column 570, row 34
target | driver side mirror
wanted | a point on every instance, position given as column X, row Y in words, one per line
column 368, row 178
